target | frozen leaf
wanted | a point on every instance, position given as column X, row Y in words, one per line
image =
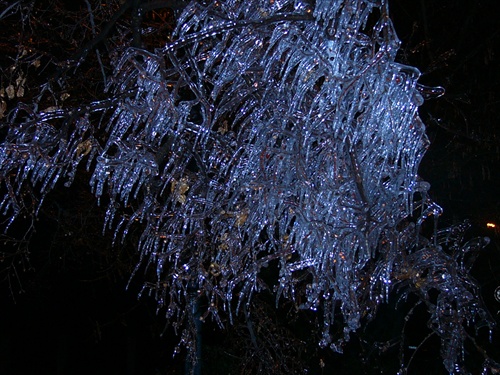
column 20, row 92
column 10, row 91
column 20, row 80
column 3, row 108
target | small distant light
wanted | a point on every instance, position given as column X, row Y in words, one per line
column 491, row 225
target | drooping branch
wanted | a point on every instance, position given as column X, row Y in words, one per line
column 262, row 133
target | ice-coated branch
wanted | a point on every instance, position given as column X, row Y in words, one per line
column 276, row 134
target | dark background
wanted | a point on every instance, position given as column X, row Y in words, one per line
column 68, row 310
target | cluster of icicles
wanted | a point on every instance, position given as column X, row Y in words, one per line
column 268, row 134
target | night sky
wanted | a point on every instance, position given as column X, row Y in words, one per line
column 70, row 313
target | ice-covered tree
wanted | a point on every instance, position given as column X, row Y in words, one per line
column 276, row 137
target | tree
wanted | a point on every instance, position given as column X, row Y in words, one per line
column 262, row 146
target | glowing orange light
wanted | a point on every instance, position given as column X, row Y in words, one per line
column 491, row 225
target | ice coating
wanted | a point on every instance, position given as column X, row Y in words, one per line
column 280, row 133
